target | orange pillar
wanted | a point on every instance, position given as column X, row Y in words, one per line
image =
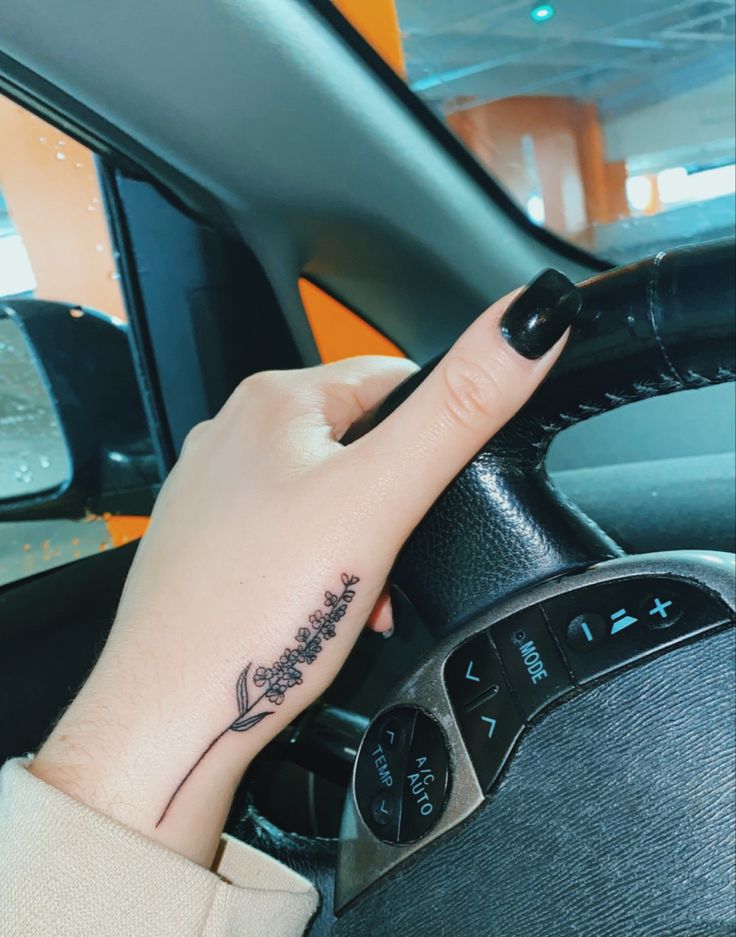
column 553, row 145
column 378, row 24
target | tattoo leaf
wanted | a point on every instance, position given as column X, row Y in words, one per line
column 242, row 725
column 242, row 691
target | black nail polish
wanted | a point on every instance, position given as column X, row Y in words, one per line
column 539, row 316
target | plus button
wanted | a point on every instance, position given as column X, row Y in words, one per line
column 660, row 608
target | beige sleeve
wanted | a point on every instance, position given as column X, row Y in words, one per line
column 67, row 870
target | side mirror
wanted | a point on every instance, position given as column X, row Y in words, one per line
column 73, row 432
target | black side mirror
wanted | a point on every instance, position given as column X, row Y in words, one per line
column 74, row 432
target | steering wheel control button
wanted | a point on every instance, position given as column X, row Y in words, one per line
column 426, row 780
column 380, row 769
column 393, row 734
column 385, row 811
column 609, row 625
column 491, row 722
column 470, row 670
column 660, row 610
column 402, row 775
column 533, row 663
column 586, row 630
column 490, row 728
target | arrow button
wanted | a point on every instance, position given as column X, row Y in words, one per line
column 469, row 675
column 491, row 724
column 470, row 670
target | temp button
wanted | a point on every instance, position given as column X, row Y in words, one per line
column 533, row 663
column 402, row 775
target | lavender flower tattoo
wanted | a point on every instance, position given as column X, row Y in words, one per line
column 275, row 681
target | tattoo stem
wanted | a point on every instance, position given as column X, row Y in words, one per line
column 186, row 777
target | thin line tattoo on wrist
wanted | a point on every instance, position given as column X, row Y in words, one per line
column 275, row 681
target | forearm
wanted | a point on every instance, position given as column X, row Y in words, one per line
column 123, row 759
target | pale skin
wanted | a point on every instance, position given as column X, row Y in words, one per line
column 263, row 512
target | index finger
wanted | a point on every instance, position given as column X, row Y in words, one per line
column 482, row 381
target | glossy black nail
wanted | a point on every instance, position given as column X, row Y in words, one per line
column 539, row 316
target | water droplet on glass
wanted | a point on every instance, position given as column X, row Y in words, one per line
column 61, row 142
column 115, row 276
column 23, row 477
column 78, row 165
column 61, row 155
column 42, row 139
column 99, row 248
column 45, row 461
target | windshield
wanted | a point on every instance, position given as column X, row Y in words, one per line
column 611, row 124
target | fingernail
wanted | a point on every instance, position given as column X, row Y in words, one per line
column 389, row 633
column 538, row 317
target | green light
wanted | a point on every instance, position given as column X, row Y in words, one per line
column 542, row 13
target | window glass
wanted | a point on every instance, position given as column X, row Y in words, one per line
column 54, row 245
column 33, row 451
column 611, row 124
column 54, row 239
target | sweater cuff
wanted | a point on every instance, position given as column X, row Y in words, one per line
column 68, row 869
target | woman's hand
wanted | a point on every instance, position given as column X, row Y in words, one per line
column 269, row 548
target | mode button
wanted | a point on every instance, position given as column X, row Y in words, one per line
column 534, row 666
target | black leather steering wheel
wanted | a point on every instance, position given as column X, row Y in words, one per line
column 661, row 325
column 615, row 815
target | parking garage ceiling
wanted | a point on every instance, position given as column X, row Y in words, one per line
column 623, row 55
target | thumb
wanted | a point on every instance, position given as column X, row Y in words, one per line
column 452, row 407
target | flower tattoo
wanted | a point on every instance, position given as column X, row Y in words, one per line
column 275, row 681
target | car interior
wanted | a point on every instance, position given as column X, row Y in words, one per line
column 547, row 745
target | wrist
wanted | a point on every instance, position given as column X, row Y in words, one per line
column 124, row 753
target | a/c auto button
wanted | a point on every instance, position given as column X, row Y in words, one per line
column 426, row 780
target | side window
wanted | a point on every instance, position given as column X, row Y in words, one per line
column 77, row 471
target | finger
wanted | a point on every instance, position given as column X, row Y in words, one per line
column 381, row 618
column 352, row 388
column 483, row 380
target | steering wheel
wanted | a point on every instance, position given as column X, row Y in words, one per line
column 563, row 760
